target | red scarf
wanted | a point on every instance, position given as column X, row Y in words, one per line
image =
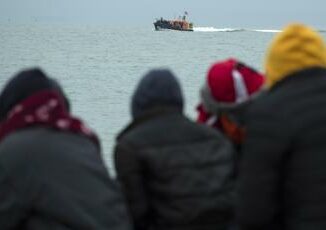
column 222, row 123
column 45, row 108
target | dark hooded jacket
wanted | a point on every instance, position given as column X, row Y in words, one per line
column 283, row 175
column 51, row 179
column 176, row 174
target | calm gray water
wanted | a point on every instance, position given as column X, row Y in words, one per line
column 99, row 66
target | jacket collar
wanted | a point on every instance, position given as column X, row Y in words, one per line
column 150, row 115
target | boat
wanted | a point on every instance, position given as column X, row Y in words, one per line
column 180, row 24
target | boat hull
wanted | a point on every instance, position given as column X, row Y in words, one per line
column 161, row 26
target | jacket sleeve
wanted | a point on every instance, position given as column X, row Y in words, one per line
column 130, row 174
column 13, row 207
column 260, row 169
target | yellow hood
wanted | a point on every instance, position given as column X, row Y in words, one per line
column 296, row 48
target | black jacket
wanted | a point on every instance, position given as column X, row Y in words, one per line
column 283, row 173
column 176, row 174
column 55, row 180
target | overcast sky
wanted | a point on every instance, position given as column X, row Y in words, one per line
column 226, row 13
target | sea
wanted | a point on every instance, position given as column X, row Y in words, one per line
column 99, row 66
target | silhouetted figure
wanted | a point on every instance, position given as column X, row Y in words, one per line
column 230, row 88
column 52, row 175
column 176, row 174
column 283, row 174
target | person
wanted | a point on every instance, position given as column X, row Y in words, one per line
column 52, row 175
column 176, row 174
column 282, row 176
column 230, row 88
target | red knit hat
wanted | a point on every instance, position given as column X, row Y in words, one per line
column 231, row 81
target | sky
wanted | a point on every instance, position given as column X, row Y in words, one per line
column 264, row 14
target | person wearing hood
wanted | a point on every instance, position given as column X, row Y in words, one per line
column 176, row 174
column 230, row 87
column 282, row 177
column 52, row 175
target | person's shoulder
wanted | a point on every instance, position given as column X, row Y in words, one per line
column 292, row 89
column 209, row 138
column 204, row 131
column 270, row 101
column 15, row 150
column 34, row 142
column 19, row 142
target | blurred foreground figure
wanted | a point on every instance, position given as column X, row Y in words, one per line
column 283, row 173
column 229, row 89
column 176, row 174
column 51, row 172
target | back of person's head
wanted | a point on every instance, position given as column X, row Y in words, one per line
column 158, row 88
column 296, row 48
column 230, row 86
column 31, row 99
column 23, row 85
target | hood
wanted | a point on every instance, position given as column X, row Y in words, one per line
column 296, row 48
column 158, row 88
column 23, row 85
